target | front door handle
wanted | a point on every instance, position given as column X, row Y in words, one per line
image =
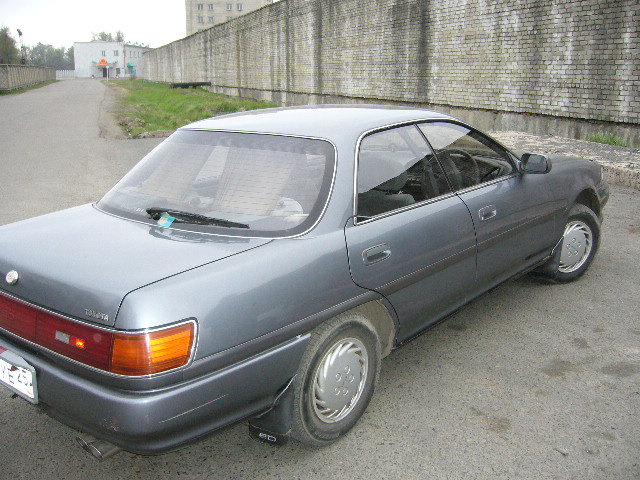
column 376, row 254
column 485, row 213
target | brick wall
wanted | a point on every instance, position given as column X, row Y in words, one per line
column 575, row 59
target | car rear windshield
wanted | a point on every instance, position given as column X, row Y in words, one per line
column 242, row 184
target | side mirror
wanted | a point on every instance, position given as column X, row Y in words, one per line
column 535, row 163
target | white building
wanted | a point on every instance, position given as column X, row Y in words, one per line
column 202, row 14
column 108, row 59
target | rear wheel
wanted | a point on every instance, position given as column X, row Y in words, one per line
column 336, row 379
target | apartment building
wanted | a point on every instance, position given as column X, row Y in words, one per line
column 203, row 14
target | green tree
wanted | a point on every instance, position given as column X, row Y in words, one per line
column 107, row 37
column 49, row 56
column 102, row 37
column 70, row 62
column 9, row 52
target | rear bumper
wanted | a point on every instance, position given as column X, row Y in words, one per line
column 154, row 421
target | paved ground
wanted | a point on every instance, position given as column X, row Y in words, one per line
column 530, row 382
column 621, row 164
column 52, row 154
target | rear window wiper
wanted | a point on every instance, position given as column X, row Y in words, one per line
column 195, row 218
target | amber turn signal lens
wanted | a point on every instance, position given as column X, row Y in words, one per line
column 148, row 353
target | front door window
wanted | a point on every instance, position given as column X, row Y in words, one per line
column 468, row 157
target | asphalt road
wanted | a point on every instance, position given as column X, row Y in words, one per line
column 532, row 381
column 52, row 153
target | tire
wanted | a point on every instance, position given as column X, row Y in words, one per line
column 581, row 239
column 336, row 379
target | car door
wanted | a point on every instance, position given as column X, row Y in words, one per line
column 412, row 238
column 512, row 213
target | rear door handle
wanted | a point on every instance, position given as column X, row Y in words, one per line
column 485, row 213
column 376, row 254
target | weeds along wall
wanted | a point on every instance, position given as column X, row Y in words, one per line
column 569, row 62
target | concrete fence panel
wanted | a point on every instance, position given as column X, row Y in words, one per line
column 574, row 60
column 13, row 77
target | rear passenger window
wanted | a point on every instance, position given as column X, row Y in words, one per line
column 396, row 168
column 468, row 157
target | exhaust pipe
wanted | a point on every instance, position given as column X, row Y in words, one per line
column 100, row 449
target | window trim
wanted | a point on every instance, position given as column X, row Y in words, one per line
column 453, row 192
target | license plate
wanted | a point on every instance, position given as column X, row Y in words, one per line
column 18, row 375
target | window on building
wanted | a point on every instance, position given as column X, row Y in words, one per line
column 211, row 20
column 229, row 18
column 201, row 6
column 239, row 7
column 200, row 19
column 115, row 53
column 229, row 7
column 211, row 6
column 104, row 53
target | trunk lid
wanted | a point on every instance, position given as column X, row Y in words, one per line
column 82, row 262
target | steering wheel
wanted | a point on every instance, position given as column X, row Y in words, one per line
column 468, row 169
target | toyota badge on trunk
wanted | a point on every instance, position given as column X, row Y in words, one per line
column 12, row 277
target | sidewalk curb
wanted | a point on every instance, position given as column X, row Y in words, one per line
column 621, row 176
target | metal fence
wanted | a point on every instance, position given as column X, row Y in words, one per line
column 13, row 77
column 62, row 74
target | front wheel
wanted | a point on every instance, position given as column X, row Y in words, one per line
column 336, row 379
column 580, row 243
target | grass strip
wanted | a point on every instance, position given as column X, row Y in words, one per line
column 609, row 139
column 32, row 87
column 148, row 107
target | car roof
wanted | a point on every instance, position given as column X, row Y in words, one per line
column 323, row 121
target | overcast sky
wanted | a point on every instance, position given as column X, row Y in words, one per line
column 62, row 22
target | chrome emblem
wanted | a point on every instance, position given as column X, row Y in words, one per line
column 97, row 315
column 12, row 277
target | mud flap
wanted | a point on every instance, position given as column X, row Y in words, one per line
column 550, row 267
column 274, row 426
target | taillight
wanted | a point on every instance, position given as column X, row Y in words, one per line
column 56, row 333
column 18, row 318
column 123, row 353
column 147, row 353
